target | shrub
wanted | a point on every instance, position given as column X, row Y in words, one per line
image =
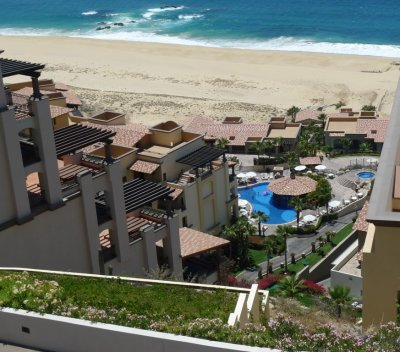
column 314, row 288
column 329, row 217
column 269, row 280
column 235, row 282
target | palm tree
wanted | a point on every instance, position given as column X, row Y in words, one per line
column 298, row 204
column 283, row 231
column 259, row 147
column 221, row 143
column 346, row 144
column 261, row 217
column 292, row 159
column 278, row 142
column 293, row 112
column 268, row 147
column 291, row 287
column 340, row 295
column 322, row 117
column 365, row 148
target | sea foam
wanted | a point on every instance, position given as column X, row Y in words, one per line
column 151, row 12
column 189, row 17
column 89, row 13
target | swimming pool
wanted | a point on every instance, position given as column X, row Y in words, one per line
column 261, row 199
column 366, row 175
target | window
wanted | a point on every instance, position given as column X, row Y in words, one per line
column 124, row 179
column 164, row 176
column 184, row 221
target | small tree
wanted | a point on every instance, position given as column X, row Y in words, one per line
column 339, row 104
column 292, row 159
column 322, row 117
column 291, row 287
column 365, row 148
column 298, row 204
column 340, row 295
column 368, row 108
column 346, row 144
column 278, row 142
column 221, row 143
column 238, row 234
column 261, row 217
column 284, row 231
column 293, row 112
column 259, row 147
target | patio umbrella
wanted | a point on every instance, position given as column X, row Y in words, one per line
column 241, row 175
column 320, row 167
column 309, row 218
column 251, row 174
column 300, row 168
column 242, row 203
column 334, row 203
column 372, row 160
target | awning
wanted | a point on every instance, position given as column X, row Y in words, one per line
column 145, row 167
column 195, row 242
column 201, row 156
column 15, row 67
column 72, row 138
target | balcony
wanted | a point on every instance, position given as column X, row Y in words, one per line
column 30, row 152
column 103, row 213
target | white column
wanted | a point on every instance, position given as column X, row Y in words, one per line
column 43, row 137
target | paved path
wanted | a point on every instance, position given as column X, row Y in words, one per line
column 299, row 245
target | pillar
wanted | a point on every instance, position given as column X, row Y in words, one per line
column 43, row 137
column 172, row 246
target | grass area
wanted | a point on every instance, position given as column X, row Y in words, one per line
column 182, row 311
column 258, row 255
column 72, row 296
column 313, row 258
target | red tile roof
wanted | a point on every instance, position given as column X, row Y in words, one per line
column 237, row 134
column 195, row 242
column 308, row 114
column 310, row 160
column 374, row 128
column 145, row 167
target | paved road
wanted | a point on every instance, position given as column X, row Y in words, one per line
column 299, row 245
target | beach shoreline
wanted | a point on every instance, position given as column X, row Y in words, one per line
column 153, row 82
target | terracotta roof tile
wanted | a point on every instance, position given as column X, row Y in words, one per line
column 195, row 242
column 374, row 128
column 296, row 186
column 308, row 114
column 310, row 160
column 145, row 167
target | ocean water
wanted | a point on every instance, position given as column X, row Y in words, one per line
column 362, row 27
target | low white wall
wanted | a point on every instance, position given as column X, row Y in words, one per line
column 353, row 282
column 53, row 333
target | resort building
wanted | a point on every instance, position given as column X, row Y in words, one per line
column 242, row 136
column 366, row 127
column 380, row 262
column 203, row 182
column 63, row 210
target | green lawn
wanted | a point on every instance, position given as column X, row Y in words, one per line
column 314, row 258
column 258, row 255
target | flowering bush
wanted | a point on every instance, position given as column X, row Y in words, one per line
column 39, row 294
column 235, row 282
column 314, row 288
column 268, row 281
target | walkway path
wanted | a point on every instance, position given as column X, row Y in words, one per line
column 299, row 245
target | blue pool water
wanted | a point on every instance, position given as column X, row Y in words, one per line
column 260, row 198
column 366, row 175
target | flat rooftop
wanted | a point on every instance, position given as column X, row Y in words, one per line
column 349, row 126
column 287, row 132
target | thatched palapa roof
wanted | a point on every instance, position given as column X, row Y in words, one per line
column 293, row 185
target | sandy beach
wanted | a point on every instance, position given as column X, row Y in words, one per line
column 154, row 82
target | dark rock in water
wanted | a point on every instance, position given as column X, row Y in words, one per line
column 102, row 28
column 168, row 7
column 118, row 24
column 132, row 21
